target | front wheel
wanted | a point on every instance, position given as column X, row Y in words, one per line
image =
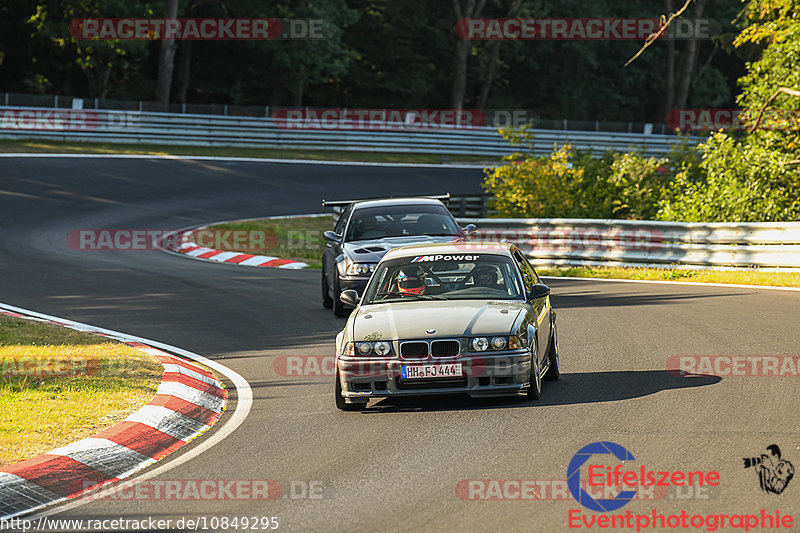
column 341, row 404
column 535, row 390
column 327, row 301
column 554, row 372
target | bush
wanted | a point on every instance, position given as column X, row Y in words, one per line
column 570, row 184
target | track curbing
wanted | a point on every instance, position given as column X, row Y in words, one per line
column 189, row 400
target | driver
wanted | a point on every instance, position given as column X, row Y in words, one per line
column 411, row 280
column 485, row 276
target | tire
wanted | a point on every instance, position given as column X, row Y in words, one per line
column 343, row 405
column 327, row 301
column 535, row 390
column 338, row 307
column 554, row 372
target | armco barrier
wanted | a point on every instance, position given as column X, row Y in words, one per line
column 575, row 242
column 114, row 126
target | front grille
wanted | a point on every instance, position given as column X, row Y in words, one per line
column 414, row 349
column 445, row 348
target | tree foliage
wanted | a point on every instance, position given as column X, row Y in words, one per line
column 753, row 176
column 380, row 54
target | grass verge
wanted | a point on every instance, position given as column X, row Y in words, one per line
column 298, row 239
column 59, row 385
column 45, row 146
column 743, row 277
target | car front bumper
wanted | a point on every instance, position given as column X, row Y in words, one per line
column 495, row 374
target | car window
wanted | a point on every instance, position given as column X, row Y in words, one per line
column 456, row 277
column 340, row 224
column 400, row 221
column 529, row 277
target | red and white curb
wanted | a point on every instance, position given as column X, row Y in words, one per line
column 187, row 403
column 192, row 249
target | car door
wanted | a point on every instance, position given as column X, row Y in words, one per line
column 541, row 309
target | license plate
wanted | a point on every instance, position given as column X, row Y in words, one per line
column 430, row 371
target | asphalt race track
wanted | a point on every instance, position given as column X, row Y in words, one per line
column 396, row 467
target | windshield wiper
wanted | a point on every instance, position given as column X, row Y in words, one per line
column 415, row 296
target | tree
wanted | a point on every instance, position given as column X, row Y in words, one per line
column 104, row 63
column 753, row 176
column 166, row 62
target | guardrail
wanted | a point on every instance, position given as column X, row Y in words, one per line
column 588, row 242
column 268, row 133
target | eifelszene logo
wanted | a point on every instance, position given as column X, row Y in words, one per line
column 774, row 473
column 574, row 476
column 609, row 479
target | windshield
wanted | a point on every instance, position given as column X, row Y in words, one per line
column 400, row 221
column 457, row 277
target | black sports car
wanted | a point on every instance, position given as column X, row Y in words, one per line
column 367, row 229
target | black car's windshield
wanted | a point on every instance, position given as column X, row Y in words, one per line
column 446, row 277
column 400, row 221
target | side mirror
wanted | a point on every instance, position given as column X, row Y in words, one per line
column 540, row 290
column 331, row 236
column 470, row 229
column 349, row 297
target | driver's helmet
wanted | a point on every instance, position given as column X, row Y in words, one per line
column 411, row 280
column 485, row 276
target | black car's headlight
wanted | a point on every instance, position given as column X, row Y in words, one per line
column 360, row 269
column 497, row 343
column 366, row 349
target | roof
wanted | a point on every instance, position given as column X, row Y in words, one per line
column 450, row 248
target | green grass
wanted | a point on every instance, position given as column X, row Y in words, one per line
column 59, row 385
column 45, row 146
column 298, row 239
column 743, row 277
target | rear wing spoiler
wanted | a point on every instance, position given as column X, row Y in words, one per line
column 342, row 203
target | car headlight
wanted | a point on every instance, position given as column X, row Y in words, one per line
column 482, row 344
column 479, row 344
column 365, row 349
column 360, row 269
column 382, row 348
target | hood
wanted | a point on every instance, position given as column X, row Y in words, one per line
column 410, row 320
column 372, row 251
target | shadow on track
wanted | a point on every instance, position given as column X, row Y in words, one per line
column 577, row 388
column 584, row 299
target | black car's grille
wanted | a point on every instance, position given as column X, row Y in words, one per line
column 414, row 349
column 445, row 348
